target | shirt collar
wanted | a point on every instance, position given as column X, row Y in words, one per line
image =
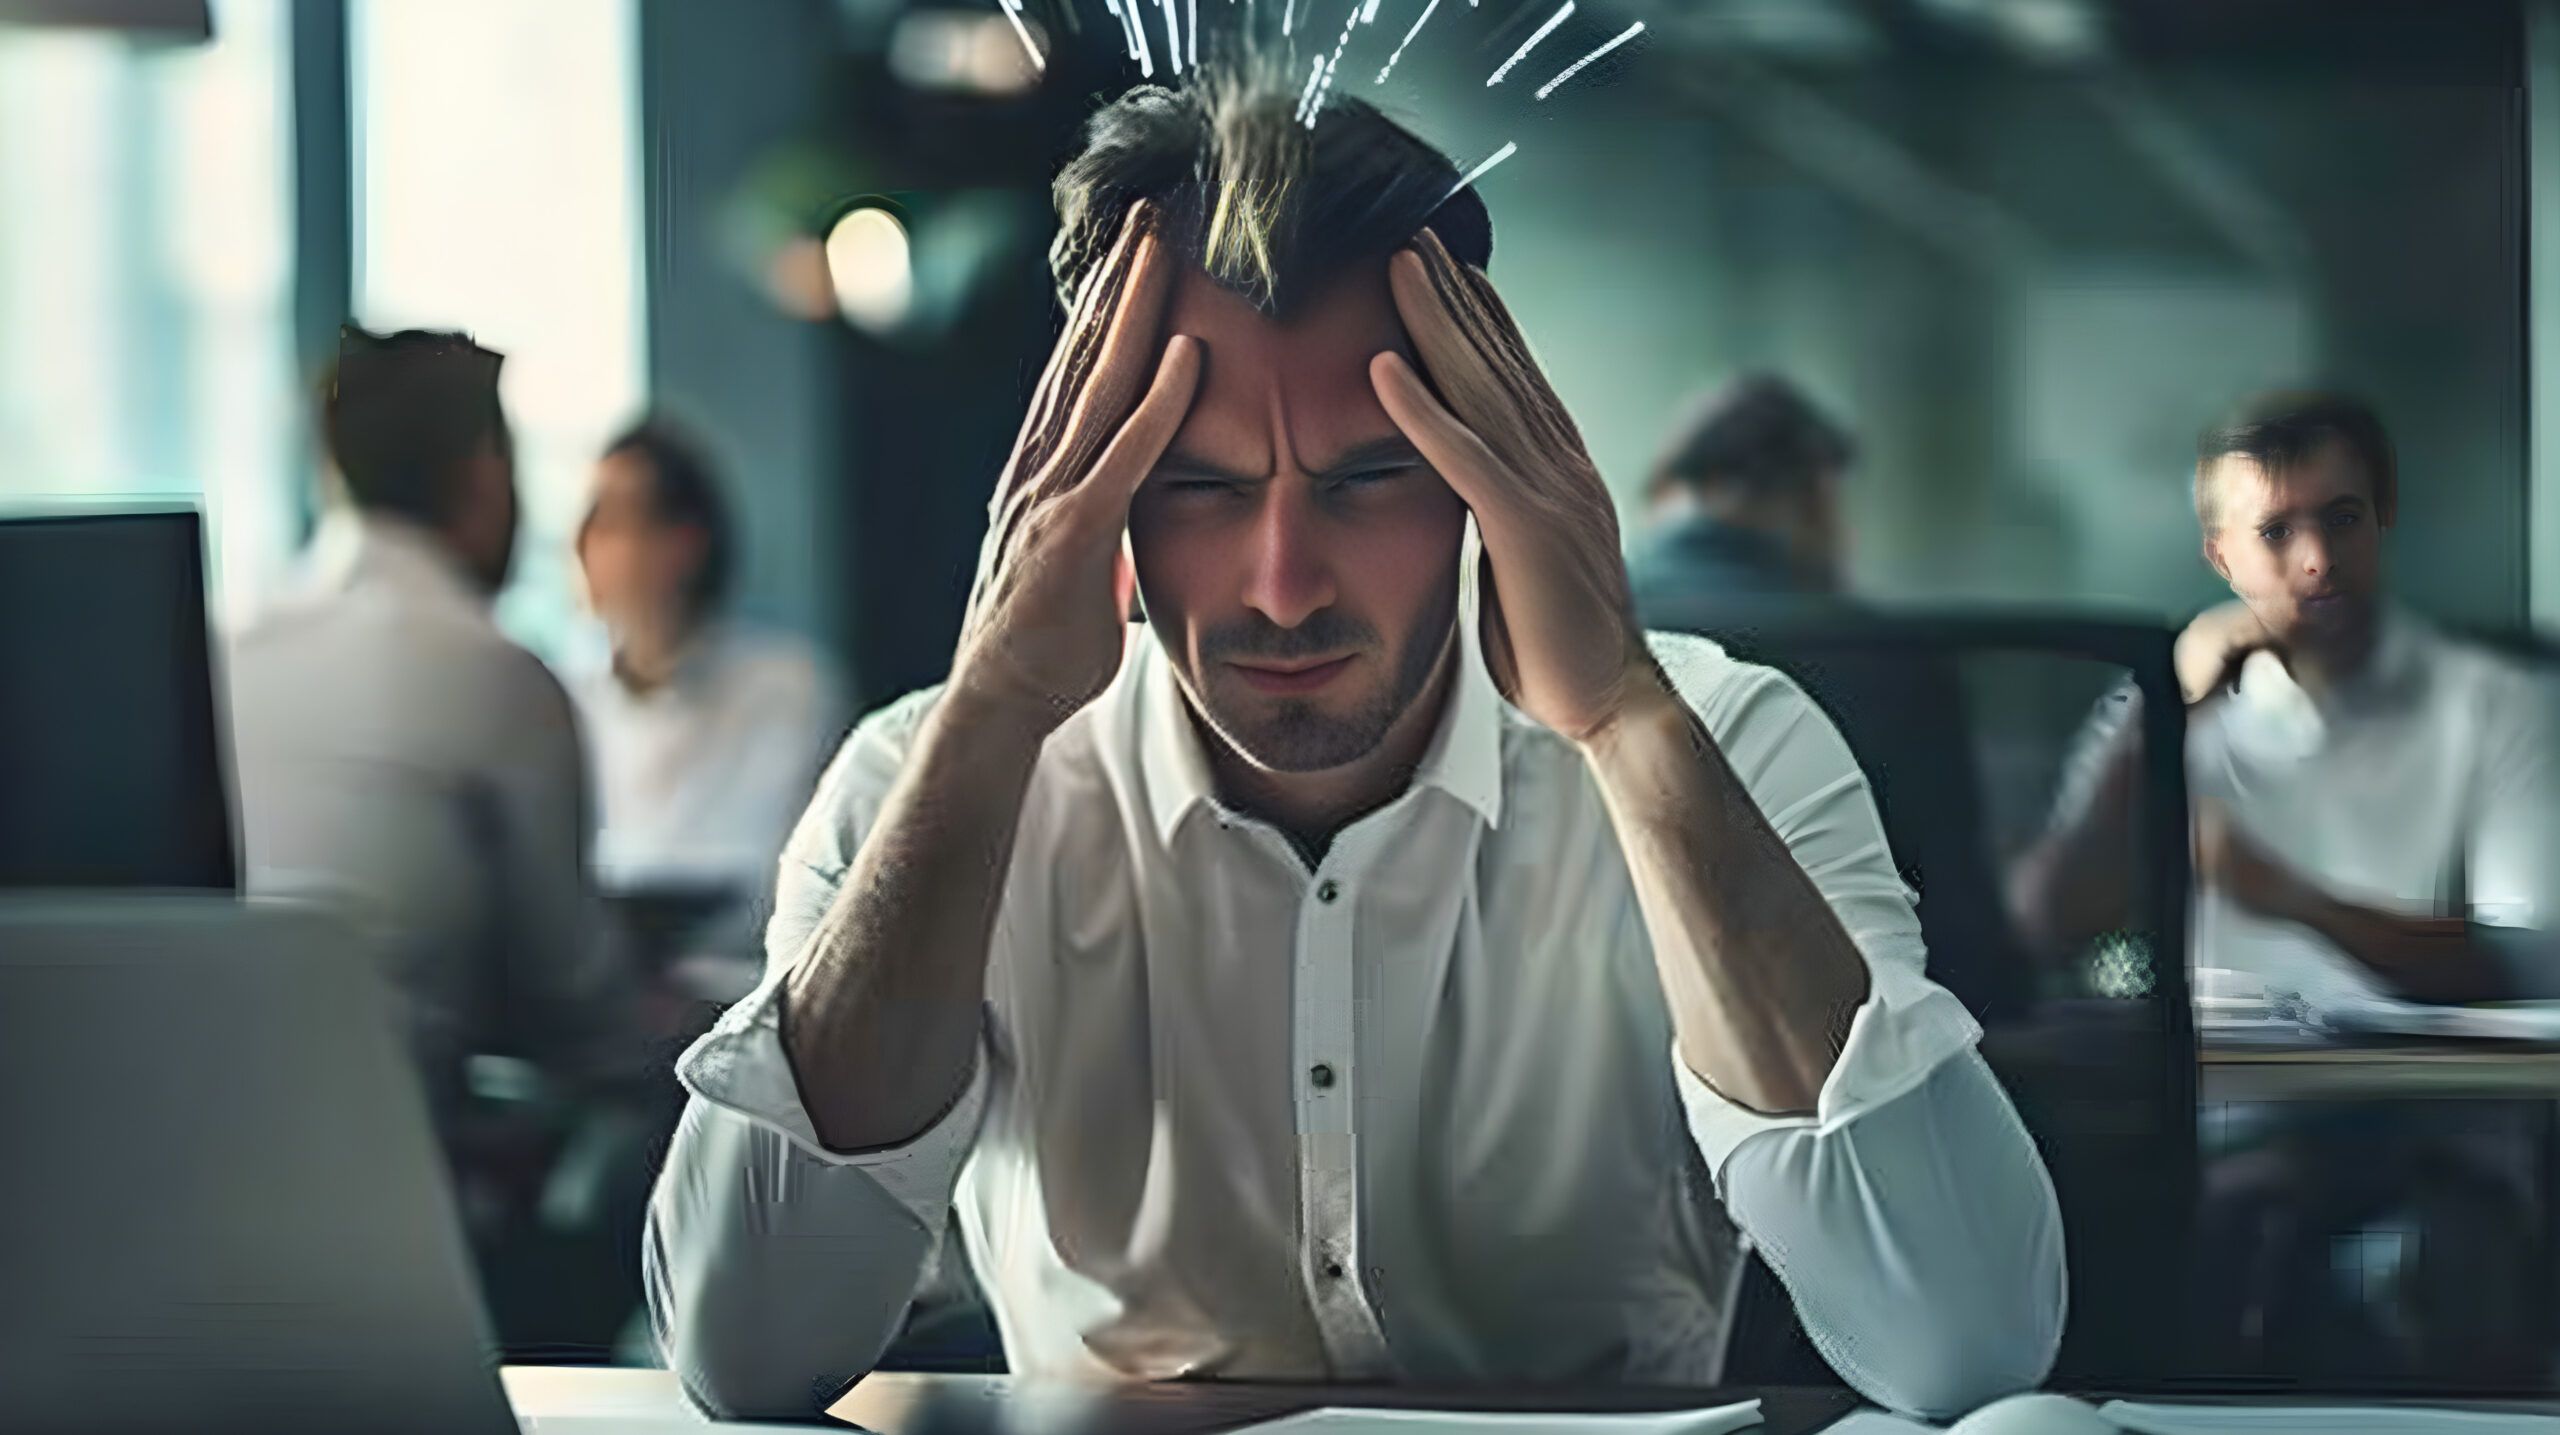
column 1463, row 760
column 352, row 548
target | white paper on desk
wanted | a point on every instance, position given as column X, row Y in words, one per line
column 1877, row 1422
column 2311, row 1420
column 1714, row 1420
column 649, row 1425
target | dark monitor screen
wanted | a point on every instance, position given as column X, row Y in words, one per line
column 111, row 771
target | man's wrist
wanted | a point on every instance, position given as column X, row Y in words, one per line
column 1650, row 723
column 995, row 716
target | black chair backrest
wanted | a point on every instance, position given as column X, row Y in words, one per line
column 2102, row 1067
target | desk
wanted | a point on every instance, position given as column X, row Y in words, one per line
column 2382, row 1072
column 886, row 1402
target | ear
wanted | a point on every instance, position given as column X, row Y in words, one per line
column 2213, row 555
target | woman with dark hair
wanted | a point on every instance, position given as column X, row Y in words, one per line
column 706, row 736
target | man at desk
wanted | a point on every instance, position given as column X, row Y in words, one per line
column 400, row 759
column 1394, row 964
column 2377, row 808
column 2358, row 777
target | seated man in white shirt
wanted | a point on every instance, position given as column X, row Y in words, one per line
column 2377, row 814
column 399, row 758
column 2364, row 786
column 706, row 734
column 1390, row 962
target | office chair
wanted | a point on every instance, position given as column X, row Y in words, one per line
column 2099, row 1054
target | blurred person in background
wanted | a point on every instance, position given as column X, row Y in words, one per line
column 707, row 735
column 1375, row 966
column 1744, row 532
column 2376, row 814
column 2359, row 778
column 399, row 759
column 1744, row 503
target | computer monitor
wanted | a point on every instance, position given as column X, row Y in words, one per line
column 110, row 745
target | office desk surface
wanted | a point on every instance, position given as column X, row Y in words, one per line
column 887, row 1402
column 2383, row 1072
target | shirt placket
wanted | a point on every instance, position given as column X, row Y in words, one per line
column 1325, row 1081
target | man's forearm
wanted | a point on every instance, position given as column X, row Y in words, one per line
column 2430, row 959
column 2071, row 884
column 1761, row 978
column 880, row 1016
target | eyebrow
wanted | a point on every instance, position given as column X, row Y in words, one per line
column 1395, row 450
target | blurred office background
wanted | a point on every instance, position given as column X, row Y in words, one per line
column 2023, row 247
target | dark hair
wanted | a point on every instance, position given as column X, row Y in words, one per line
column 684, row 493
column 1274, row 209
column 2285, row 427
column 401, row 413
column 1757, row 432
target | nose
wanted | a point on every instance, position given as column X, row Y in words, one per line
column 1288, row 574
column 2314, row 554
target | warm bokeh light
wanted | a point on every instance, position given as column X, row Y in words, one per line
column 870, row 260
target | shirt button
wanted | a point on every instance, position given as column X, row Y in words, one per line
column 1333, row 1270
column 1321, row 1075
column 1327, row 890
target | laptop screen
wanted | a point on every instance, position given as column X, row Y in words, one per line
column 110, row 753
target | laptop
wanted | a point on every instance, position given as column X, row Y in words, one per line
column 221, row 1207
column 111, row 752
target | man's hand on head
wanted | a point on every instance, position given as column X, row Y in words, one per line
column 1047, row 614
column 1560, row 633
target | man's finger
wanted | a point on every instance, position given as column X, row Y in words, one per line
column 1149, row 432
column 1044, row 422
column 1122, row 366
column 1470, row 347
column 1460, row 456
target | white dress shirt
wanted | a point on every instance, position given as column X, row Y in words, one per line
column 699, row 779
column 2427, row 785
column 399, row 759
column 1414, row 1113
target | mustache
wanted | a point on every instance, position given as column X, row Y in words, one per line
column 1325, row 631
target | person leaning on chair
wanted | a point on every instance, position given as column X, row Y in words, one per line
column 1385, row 963
column 2377, row 806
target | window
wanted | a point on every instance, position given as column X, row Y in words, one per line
column 496, row 192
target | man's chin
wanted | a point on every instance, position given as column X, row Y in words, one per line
column 2342, row 620
column 1295, row 736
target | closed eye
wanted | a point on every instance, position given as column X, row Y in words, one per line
column 1379, row 473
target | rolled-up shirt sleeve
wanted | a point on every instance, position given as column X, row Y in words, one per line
column 778, row 1270
column 1909, row 1215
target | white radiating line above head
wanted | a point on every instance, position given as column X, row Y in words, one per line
column 1172, row 36
column 1531, row 43
column 1324, row 87
column 1369, row 13
column 1193, row 20
column 1288, row 14
column 1137, row 19
column 1013, row 12
column 1575, row 68
column 1509, row 148
column 1419, row 21
column 1315, row 74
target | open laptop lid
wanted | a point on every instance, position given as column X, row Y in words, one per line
column 221, row 1207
